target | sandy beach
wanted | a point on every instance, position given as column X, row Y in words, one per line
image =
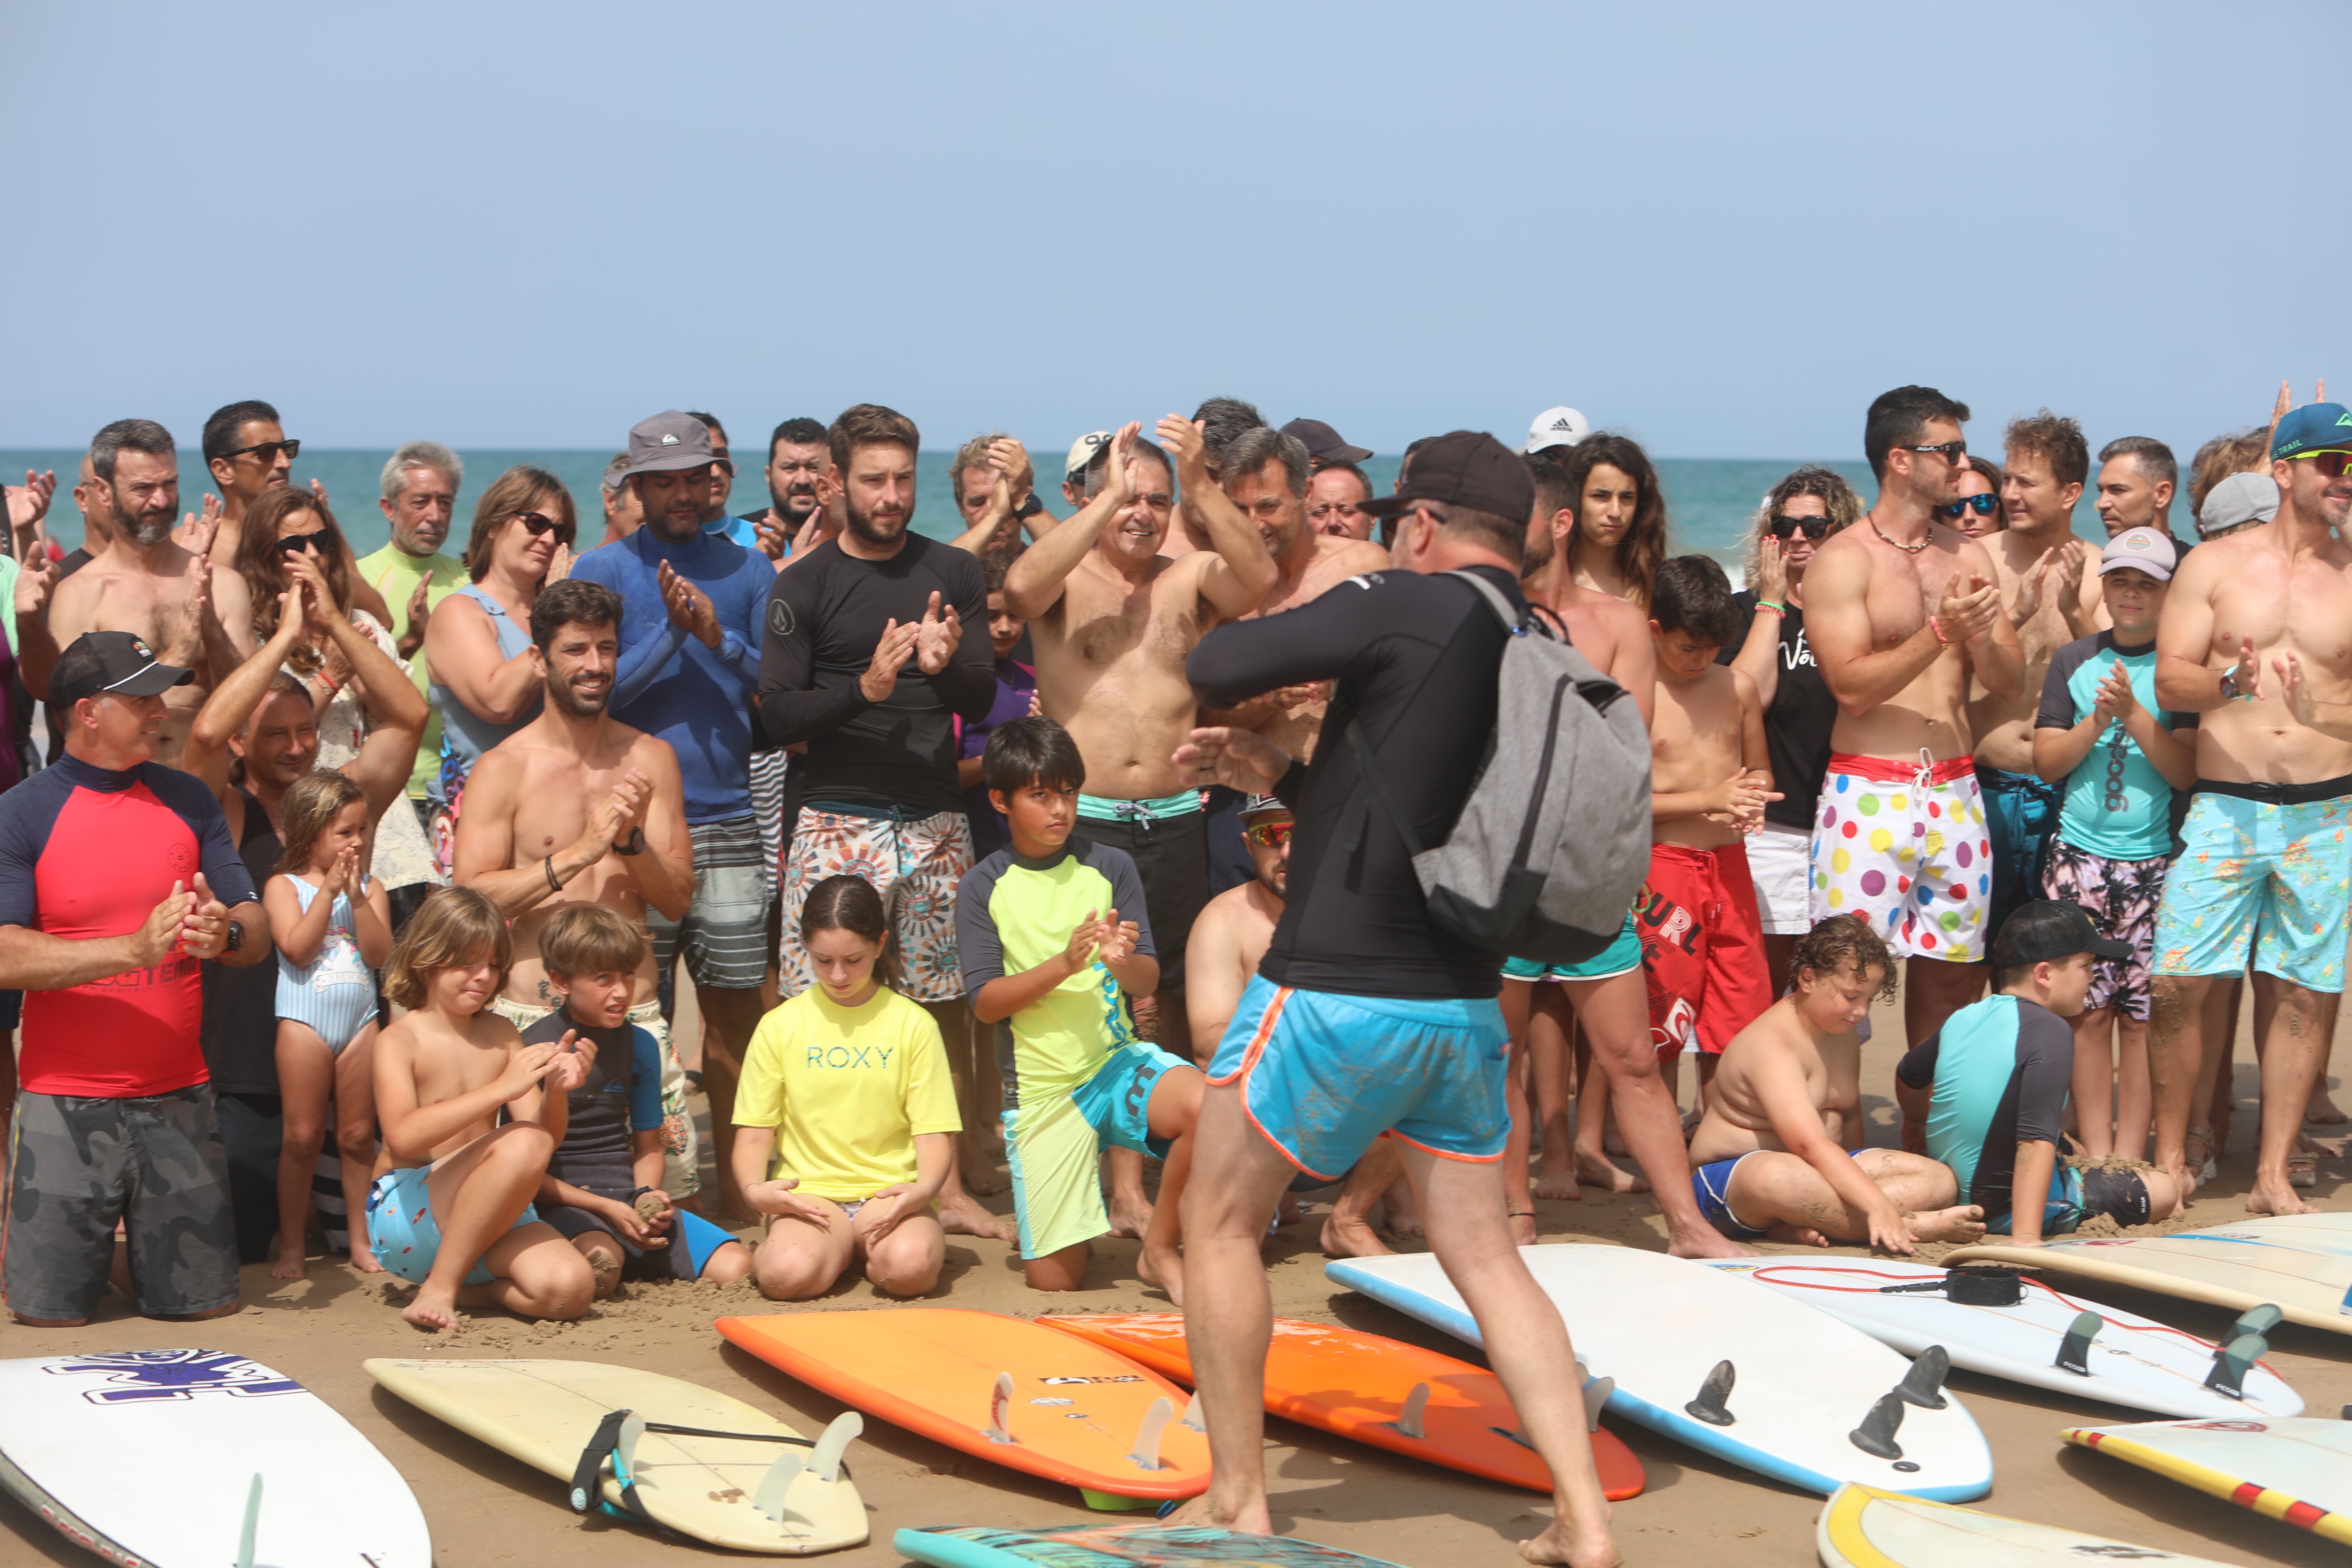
column 484, row 1509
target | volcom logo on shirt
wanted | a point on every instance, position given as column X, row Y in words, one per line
column 780, row 617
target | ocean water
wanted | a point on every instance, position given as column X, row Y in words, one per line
column 1708, row 502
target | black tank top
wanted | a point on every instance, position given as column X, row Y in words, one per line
column 240, row 1027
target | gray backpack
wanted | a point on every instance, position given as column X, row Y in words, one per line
column 1554, row 840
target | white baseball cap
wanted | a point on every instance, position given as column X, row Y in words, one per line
column 2142, row 549
column 1082, row 451
column 1562, row 426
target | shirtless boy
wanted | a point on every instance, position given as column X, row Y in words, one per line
column 1771, row 1153
column 576, row 807
column 1900, row 609
column 2253, row 638
column 199, row 617
column 453, row 1217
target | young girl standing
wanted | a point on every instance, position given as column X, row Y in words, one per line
column 332, row 924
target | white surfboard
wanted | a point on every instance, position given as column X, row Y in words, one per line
column 2330, row 1232
column 2298, row 1472
column 1862, row 1526
column 2227, row 1266
column 200, row 1457
column 2128, row 1360
column 1802, row 1384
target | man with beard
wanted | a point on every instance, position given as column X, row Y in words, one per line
column 795, row 519
column 692, row 602
column 196, row 614
column 877, row 640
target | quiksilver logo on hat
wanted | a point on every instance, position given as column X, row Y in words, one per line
column 670, row 439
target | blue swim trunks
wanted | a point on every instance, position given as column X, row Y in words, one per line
column 402, row 1232
column 1711, row 1189
column 1322, row 1075
column 1623, row 956
column 2261, row 876
column 1054, row 1143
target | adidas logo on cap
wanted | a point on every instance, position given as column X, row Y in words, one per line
column 1563, row 423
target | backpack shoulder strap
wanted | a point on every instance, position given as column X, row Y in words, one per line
column 1513, row 620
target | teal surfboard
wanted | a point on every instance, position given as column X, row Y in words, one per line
column 1118, row 1546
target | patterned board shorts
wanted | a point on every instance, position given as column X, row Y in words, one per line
column 2121, row 896
column 913, row 864
column 681, row 1142
column 1906, row 849
column 2272, row 880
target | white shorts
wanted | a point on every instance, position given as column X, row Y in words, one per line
column 1779, row 861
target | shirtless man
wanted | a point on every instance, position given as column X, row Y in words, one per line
column 2253, row 638
column 2038, row 565
column 577, row 807
column 1606, row 995
column 1901, row 608
column 196, row 616
column 1770, row 1157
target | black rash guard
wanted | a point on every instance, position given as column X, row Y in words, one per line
column 1415, row 659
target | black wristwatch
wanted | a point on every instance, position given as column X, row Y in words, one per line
column 236, row 937
column 1028, row 508
column 634, row 843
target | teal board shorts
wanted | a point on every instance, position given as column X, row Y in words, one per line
column 2267, row 878
column 401, row 1232
column 1623, row 956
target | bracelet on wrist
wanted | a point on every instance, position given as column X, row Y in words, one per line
column 1767, row 605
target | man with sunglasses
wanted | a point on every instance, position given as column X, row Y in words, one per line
column 248, row 454
column 2253, row 638
column 1900, row 609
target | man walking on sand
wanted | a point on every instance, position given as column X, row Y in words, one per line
column 1366, row 1014
column 2253, row 638
column 1902, row 608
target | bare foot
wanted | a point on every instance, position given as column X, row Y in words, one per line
column 1598, row 1171
column 1205, row 1512
column 1561, row 1543
column 1703, row 1241
column 1351, row 1238
column 2322, row 1111
column 1130, row 1218
column 1560, row 1186
column 980, row 1175
column 1523, row 1229
column 1163, row 1267
column 1798, row 1235
column 363, row 1259
column 435, row 1310
column 2268, row 1199
column 1405, row 1214
column 1961, row 1222
column 288, row 1266
column 1290, row 1211
column 962, row 1216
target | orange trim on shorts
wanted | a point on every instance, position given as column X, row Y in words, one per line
column 1447, row 1154
column 1891, row 769
column 1265, row 1024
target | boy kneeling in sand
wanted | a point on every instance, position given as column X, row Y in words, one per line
column 455, row 1218
column 602, row 1187
column 1770, row 1157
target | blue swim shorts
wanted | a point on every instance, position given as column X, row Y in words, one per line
column 2261, row 876
column 1055, row 1142
column 402, row 1232
column 1623, row 956
column 1322, row 1075
column 1711, row 1189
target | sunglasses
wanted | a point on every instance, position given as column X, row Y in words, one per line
column 1268, row 834
column 1953, row 451
column 268, row 450
column 538, row 523
column 314, row 542
column 1981, row 505
column 2332, row 464
column 1783, row 526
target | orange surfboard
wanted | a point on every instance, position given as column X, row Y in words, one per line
column 1000, row 1389
column 1362, row 1386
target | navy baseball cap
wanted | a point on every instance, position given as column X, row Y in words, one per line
column 1463, row 468
column 2313, row 427
column 98, row 662
column 2049, row 930
column 1323, row 444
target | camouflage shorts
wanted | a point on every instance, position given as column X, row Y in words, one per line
column 79, row 1165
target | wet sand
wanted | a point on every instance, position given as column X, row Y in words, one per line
column 485, row 1510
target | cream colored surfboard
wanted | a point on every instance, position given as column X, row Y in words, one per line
column 2225, row 1265
column 1863, row 1527
column 748, row 1492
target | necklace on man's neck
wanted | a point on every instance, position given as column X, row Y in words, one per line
column 1925, row 539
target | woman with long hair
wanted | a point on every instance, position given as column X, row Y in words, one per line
column 1619, row 535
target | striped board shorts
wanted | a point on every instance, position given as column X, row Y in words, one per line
column 724, row 935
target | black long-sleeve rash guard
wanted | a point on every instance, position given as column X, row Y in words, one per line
column 1415, row 660
column 826, row 615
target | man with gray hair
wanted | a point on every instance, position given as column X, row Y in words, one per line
column 196, row 614
column 2137, row 479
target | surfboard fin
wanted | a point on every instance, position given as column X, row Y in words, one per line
column 252, row 1523
column 1147, row 1437
column 826, row 1463
column 2258, row 1320
column 1410, row 1419
column 1923, row 1385
column 2074, row 1350
column 1191, row 1416
column 2233, row 1362
column 1596, row 1394
column 1000, row 1402
column 777, row 1484
column 1713, row 1405
column 1875, row 1435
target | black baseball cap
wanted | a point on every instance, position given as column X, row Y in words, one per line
column 1463, row 468
column 2048, row 929
column 1323, row 444
column 99, row 662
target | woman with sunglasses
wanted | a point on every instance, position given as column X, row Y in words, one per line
column 477, row 643
column 1800, row 512
column 1977, row 512
column 290, row 534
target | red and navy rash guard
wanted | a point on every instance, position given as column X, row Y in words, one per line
column 86, row 853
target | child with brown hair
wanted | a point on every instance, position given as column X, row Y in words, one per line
column 332, row 924
column 453, row 1217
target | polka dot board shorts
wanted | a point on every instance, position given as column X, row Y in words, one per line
column 1904, row 846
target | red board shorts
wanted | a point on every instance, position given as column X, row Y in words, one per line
column 1701, row 947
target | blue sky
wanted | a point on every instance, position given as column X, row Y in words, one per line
column 1721, row 229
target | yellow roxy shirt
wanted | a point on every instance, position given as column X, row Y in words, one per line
column 847, row 1089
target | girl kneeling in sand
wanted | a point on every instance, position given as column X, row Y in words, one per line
column 846, row 1119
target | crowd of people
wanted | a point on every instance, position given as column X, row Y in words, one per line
column 1023, row 847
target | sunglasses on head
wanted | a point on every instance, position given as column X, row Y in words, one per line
column 538, row 523
column 268, row 450
column 1783, row 526
column 1268, row 834
column 296, row 543
column 2332, row 464
column 1981, row 505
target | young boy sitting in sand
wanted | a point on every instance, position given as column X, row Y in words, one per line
column 1989, row 1087
column 453, row 1216
column 1054, row 936
column 1770, row 1155
column 602, row 1187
